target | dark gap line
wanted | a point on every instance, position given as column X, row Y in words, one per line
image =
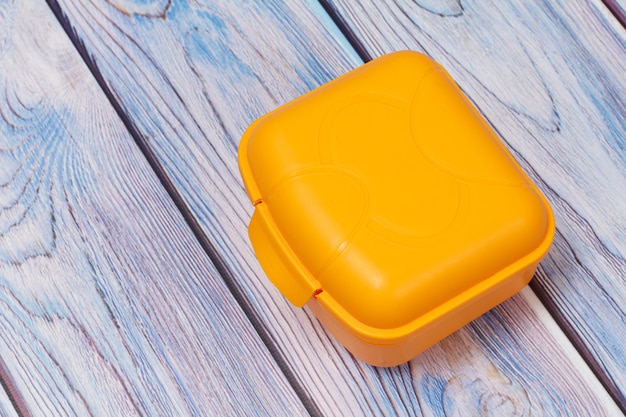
column 541, row 292
column 616, row 10
column 553, row 309
column 578, row 343
column 206, row 244
column 19, row 405
column 221, row 265
column 346, row 31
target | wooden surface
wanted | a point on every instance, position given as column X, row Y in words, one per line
column 135, row 312
column 109, row 305
column 561, row 107
column 618, row 8
column 6, row 406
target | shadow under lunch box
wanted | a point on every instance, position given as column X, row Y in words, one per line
column 385, row 203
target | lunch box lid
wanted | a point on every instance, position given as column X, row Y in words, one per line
column 387, row 191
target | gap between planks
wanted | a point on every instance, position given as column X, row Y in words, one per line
column 185, row 210
column 542, row 297
column 202, row 238
column 616, row 8
column 9, row 397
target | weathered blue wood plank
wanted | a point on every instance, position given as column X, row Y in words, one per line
column 190, row 76
column 618, row 8
column 550, row 78
column 108, row 304
column 6, row 406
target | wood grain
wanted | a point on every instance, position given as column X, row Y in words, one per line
column 484, row 372
column 6, row 406
column 189, row 77
column 108, row 304
column 618, row 8
column 550, row 78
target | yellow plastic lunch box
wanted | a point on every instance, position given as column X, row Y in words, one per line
column 386, row 204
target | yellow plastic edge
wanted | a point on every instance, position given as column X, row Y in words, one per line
column 381, row 347
column 279, row 262
column 405, row 342
column 244, row 164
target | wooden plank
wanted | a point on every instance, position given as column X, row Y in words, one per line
column 108, row 304
column 618, row 8
column 190, row 77
column 550, row 78
column 483, row 371
column 6, row 406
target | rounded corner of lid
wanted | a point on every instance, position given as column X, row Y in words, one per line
column 243, row 162
column 545, row 234
column 550, row 229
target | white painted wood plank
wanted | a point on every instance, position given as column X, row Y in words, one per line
column 6, row 407
column 191, row 80
column 550, row 78
column 618, row 8
column 108, row 304
column 483, row 371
